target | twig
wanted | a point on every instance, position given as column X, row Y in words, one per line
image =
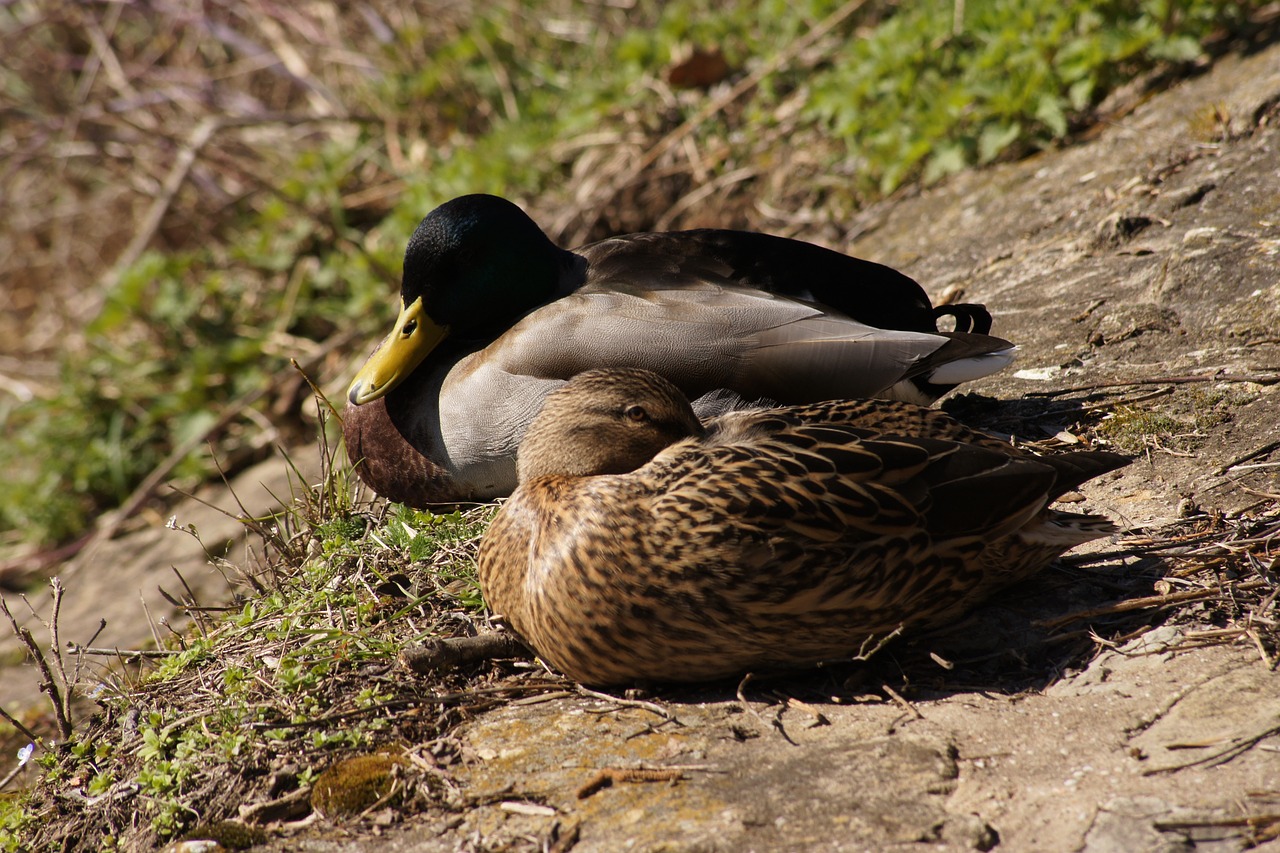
column 1236, row 747
column 897, row 697
column 1160, row 380
column 10, row 776
column 651, row 707
column 173, row 182
column 452, row 652
column 55, row 646
column 611, row 775
column 819, row 718
column 127, row 654
column 1136, row 604
column 1257, row 493
column 1270, row 663
column 1109, row 404
column 48, row 685
column 30, row 735
column 1251, row 821
column 941, row 661
column 1252, row 454
column 864, row 655
column 741, row 693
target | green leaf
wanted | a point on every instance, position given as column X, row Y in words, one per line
column 996, row 138
column 1049, row 113
column 1080, row 94
column 1177, row 49
column 946, row 160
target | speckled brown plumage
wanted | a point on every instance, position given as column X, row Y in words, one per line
column 772, row 538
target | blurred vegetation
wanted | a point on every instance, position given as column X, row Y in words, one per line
column 196, row 195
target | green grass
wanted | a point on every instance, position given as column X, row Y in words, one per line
column 301, row 674
column 501, row 103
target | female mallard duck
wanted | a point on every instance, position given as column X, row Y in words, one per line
column 641, row 545
column 494, row 316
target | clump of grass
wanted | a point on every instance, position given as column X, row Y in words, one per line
column 1180, row 426
column 1135, row 430
column 293, row 680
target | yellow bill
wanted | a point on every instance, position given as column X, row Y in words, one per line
column 412, row 339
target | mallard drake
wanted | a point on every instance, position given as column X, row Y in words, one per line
column 494, row 316
column 643, row 545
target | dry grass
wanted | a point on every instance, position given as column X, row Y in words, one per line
column 130, row 126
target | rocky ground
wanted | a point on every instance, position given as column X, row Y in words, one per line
column 1140, row 273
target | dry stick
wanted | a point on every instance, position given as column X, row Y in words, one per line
column 178, row 173
column 127, row 654
column 865, row 655
column 1140, row 604
column 651, row 707
column 1251, row 821
column 819, row 718
column 1252, row 454
column 1275, row 496
column 1162, row 380
column 173, row 182
column 609, row 775
column 897, row 697
column 1110, row 404
column 48, row 685
column 55, row 646
column 1270, row 663
column 451, row 652
column 30, row 735
column 10, row 776
column 1237, row 746
column 746, row 84
column 777, row 720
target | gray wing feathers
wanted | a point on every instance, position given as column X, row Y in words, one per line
column 704, row 337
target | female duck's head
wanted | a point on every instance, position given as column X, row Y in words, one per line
column 605, row 422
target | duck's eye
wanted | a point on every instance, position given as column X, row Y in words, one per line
column 409, row 328
column 636, row 414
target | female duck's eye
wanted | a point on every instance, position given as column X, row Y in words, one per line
column 636, row 414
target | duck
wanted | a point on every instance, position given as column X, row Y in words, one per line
column 494, row 316
column 643, row 545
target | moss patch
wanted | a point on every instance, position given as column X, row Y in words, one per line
column 349, row 787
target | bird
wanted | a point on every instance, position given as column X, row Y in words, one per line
column 494, row 316
column 643, row 545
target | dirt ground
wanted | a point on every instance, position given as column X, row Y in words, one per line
column 1148, row 255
